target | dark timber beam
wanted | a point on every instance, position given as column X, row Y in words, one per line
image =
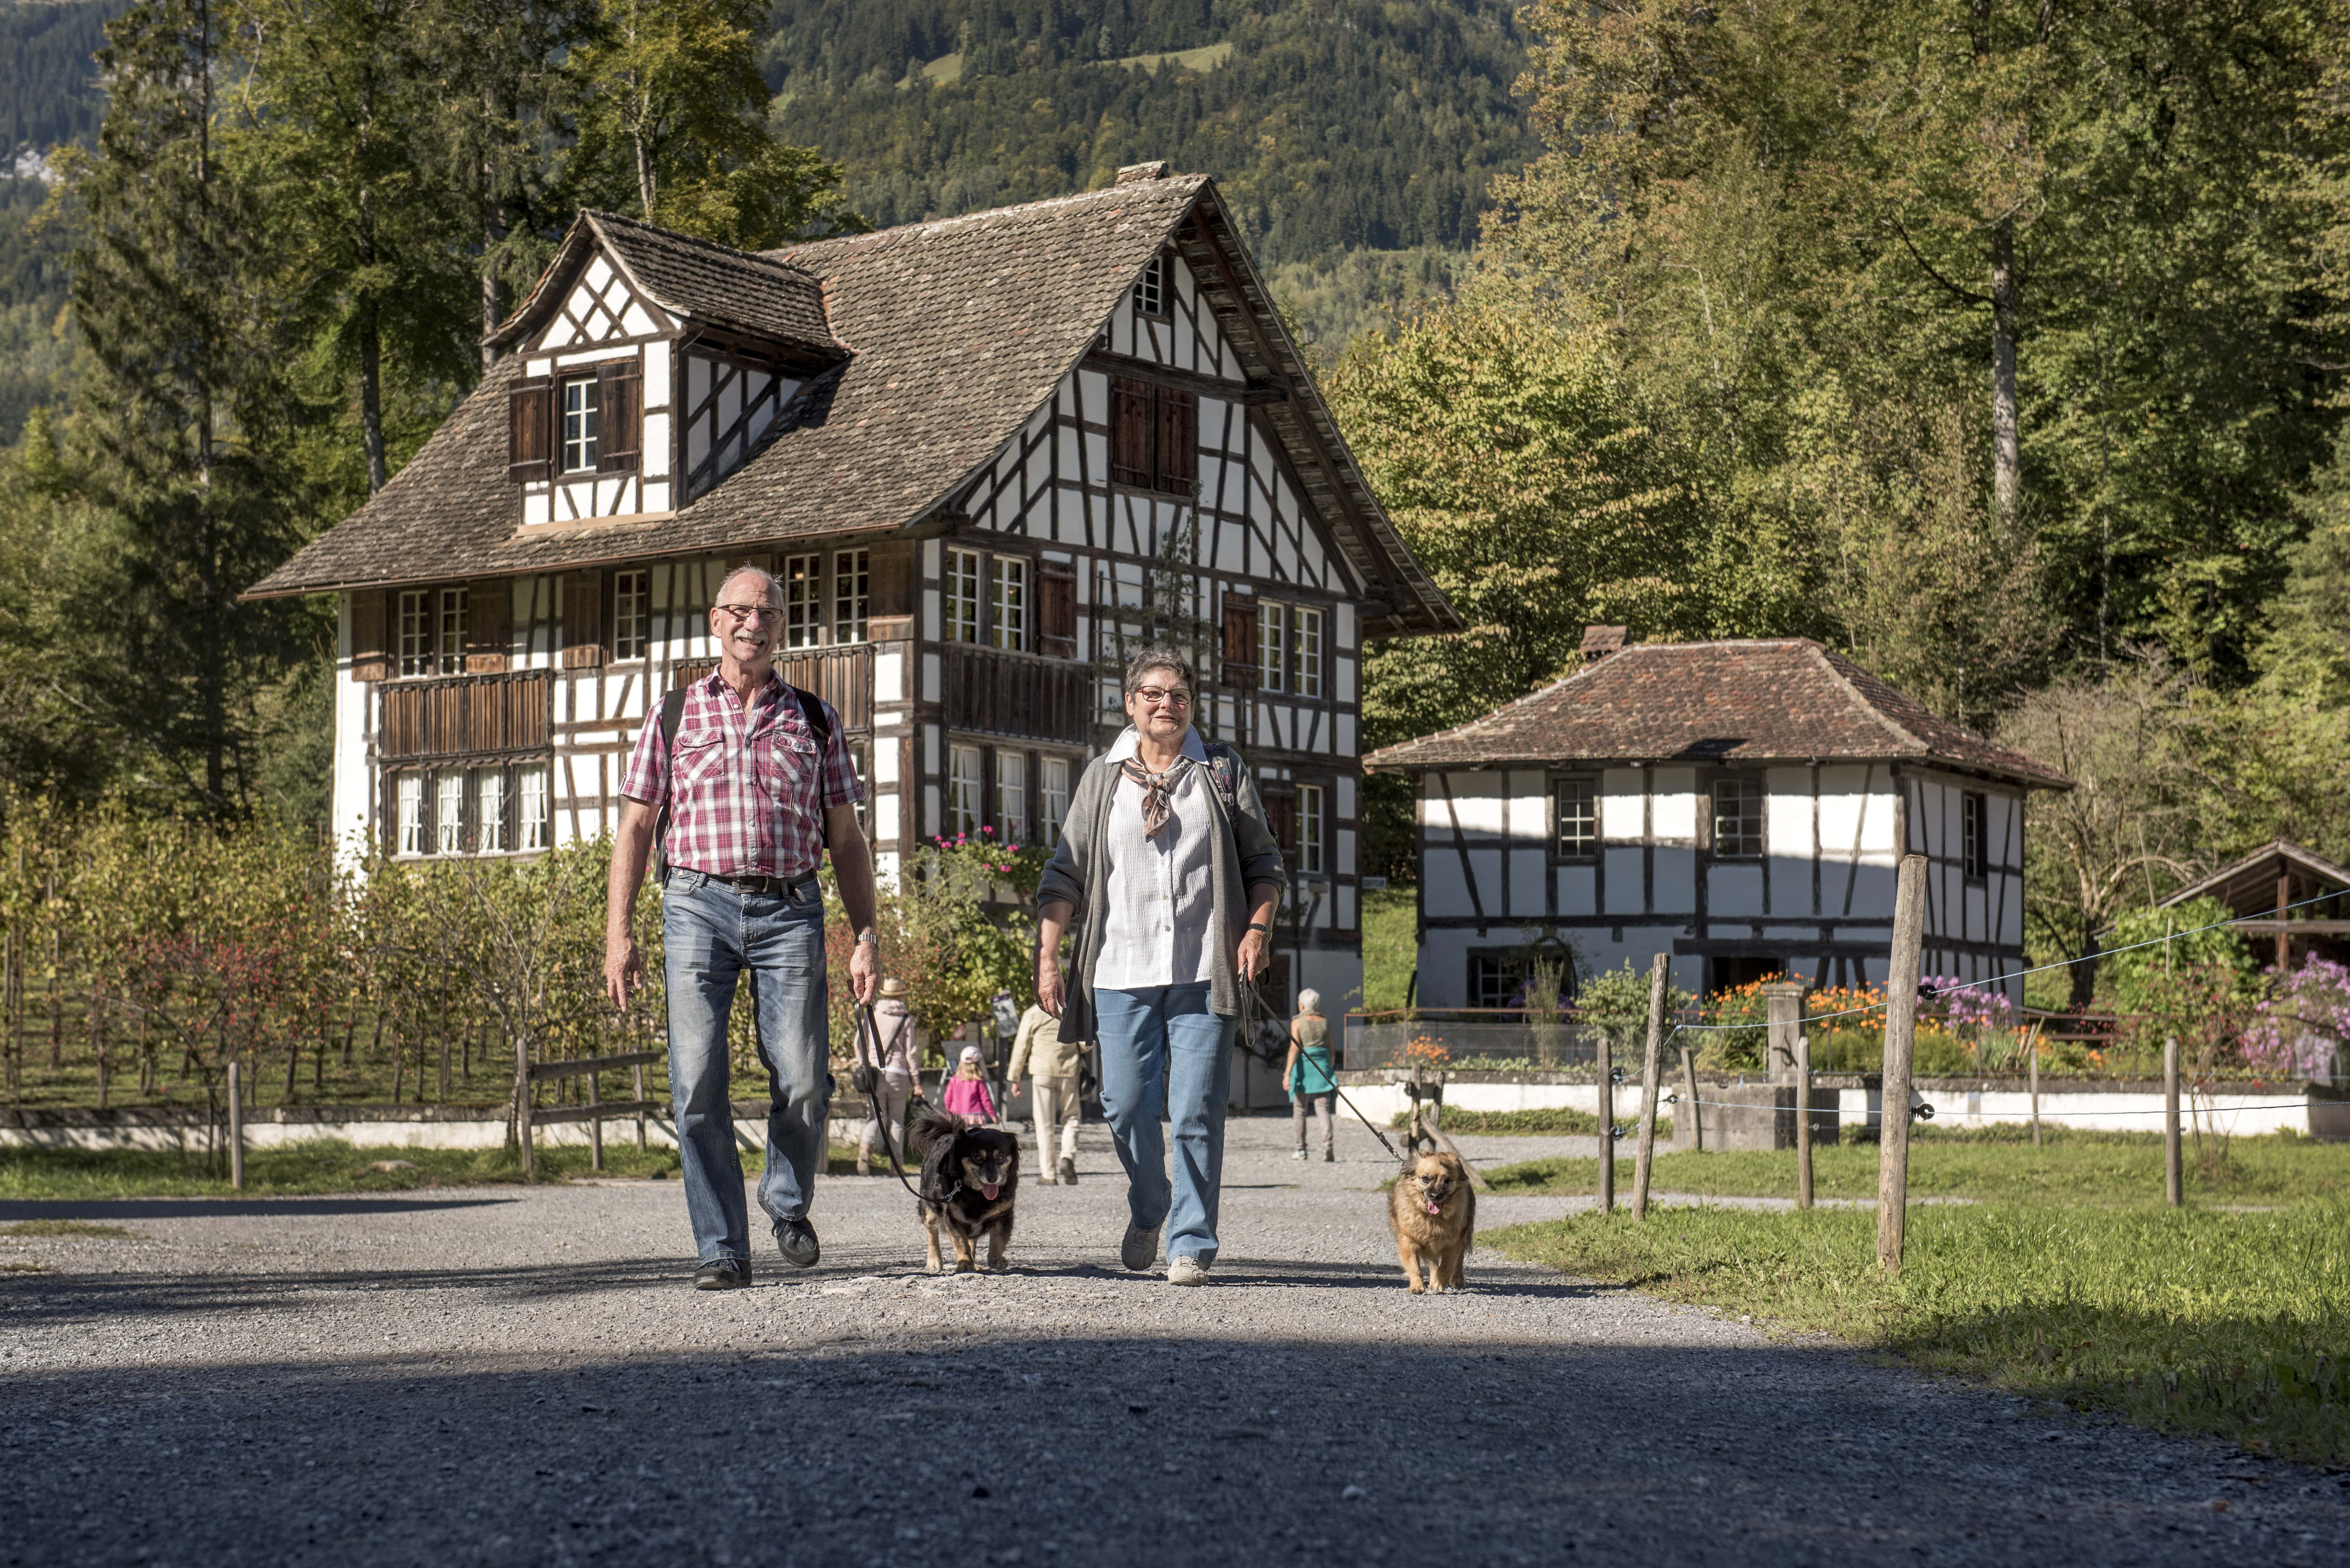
column 1273, row 389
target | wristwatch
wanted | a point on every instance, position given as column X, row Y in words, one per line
column 1260, row 928
column 873, row 937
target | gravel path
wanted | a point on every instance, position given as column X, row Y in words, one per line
column 523, row 1377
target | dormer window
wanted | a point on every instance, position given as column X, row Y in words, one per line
column 582, row 417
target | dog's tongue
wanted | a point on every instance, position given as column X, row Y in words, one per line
column 1435, row 1209
column 987, row 1190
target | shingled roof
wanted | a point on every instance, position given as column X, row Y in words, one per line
column 694, row 280
column 958, row 330
column 1782, row 701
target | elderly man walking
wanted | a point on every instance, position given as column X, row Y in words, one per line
column 1052, row 1091
column 752, row 781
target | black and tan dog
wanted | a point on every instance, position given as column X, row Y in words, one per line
column 969, row 1177
column 1433, row 1213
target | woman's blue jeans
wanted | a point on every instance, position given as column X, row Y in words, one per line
column 711, row 933
column 1163, row 1052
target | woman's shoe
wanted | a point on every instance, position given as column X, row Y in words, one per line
column 1300, row 1153
column 1329, row 1156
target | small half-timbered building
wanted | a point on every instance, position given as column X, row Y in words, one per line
column 1739, row 805
column 984, row 455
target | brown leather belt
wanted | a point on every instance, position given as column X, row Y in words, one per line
column 781, row 886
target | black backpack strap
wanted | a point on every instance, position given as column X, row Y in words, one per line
column 673, row 711
column 812, row 709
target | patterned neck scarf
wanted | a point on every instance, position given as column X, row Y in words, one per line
column 1155, row 807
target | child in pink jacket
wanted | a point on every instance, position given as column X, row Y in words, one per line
column 967, row 1095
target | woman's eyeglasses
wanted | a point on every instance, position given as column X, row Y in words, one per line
column 1164, row 696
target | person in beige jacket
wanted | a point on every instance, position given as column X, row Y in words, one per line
column 1052, row 1088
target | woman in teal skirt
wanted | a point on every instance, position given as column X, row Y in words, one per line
column 1308, row 1078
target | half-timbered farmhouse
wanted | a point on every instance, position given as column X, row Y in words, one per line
column 1741, row 805
column 984, row 455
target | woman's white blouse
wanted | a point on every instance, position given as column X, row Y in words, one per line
column 1158, row 926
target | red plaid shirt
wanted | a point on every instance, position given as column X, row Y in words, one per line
column 750, row 787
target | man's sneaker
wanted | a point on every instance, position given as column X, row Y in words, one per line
column 1186, row 1270
column 1068, row 1171
column 796, row 1238
column 1139, row 1250
column 722, row 1274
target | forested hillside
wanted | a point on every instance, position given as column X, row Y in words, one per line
column 1334, row 126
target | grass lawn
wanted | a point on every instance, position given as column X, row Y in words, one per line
column 2233, row 1325
column 1547, row 1121
column 324, row 1166
column 1992, row 1164
column 1390, row 947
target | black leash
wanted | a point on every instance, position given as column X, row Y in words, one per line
column 1255, row 1011
column 868, row 1058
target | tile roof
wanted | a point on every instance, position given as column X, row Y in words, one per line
column 1785, row 700
column 958, row 330
column 714, row 285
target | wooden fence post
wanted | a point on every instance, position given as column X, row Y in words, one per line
column 235, row 1127
column 640, row 1101
column 2174, row 1169
column 1606, row 1059
column 595, row 1125
column 1803, row 1121
column 2032, row 1061
column 1900, row 1043
column 1688, row 1099
column 1649, row 1072
column 522, row 1106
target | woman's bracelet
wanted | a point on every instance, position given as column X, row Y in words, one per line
column 1260, row 928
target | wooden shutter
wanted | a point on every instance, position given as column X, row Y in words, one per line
column 489, row 627
column 583, row 621
column 370, row 648
column 1178, row 442
column 1281, row 815
column 530, row 430
column 1056, row 610
column 1239, row 642
column 619, row 431
column 1130, row 432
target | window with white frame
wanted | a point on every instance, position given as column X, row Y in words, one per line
column 1008, row 611
column 1272, row 647
column 1738, row 816
column 531, row 820
column 802, row 600
column 410, row 790
column 1305, row 647
column 1578, row 818
column 1311, row 824
column 962, row 595
column 1975, row 834
column 632, row 613
column 1052, row 796
column 490, row 811
column 452, row 631
column 964, row 787
column 852, row 594
column 1151, row 288
column 417, row 633
column 1011, row 794
column 582, row 416
column 448, row 811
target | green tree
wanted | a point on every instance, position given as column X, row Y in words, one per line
column 672, row 109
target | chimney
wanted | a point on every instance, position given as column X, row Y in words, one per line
column 1600, row 641
column 1134, row 172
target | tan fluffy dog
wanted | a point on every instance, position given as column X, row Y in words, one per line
column 1433, row 1214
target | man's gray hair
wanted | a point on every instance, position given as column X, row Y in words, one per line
column 774, row 584
column 1155, row 656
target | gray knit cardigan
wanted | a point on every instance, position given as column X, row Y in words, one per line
column 1078, row 875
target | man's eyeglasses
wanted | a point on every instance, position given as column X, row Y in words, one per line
column 743, row 613
column 1164, row 696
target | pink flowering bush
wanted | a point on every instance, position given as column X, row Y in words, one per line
column 2298, row 1029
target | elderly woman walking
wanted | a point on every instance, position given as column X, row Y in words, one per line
column 1167, row 866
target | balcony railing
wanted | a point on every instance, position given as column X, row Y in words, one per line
column 466, row 715
column 842, row 676
column 998, row 693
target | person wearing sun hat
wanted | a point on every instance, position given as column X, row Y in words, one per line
column 894, row 1071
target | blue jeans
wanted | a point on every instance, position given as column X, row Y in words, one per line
column 1163, row 1050
column 711, row 933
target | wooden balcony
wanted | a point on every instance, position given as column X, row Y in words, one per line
column 842, row 676
column 1024, row 694
column 466, row 716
